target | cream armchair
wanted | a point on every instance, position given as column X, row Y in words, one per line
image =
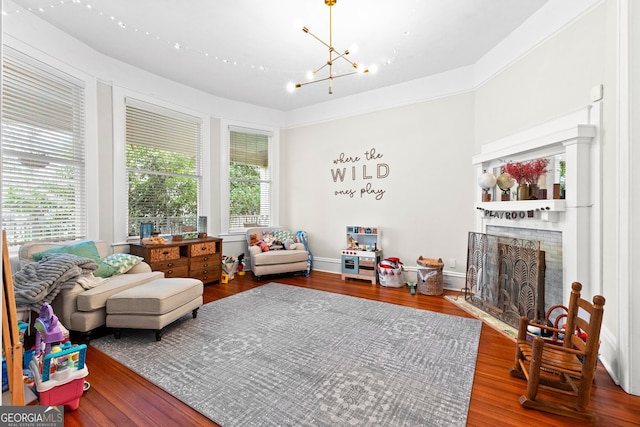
column 289, row 258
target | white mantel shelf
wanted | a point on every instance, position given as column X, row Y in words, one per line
column 524, row 205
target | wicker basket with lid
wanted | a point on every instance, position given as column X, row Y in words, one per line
column 429, row 274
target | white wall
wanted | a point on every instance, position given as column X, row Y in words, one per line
column 553, row 79
column 425, row 206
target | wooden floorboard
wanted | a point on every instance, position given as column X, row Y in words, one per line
column 120, row 397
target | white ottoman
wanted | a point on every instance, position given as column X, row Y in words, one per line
column 154, row 305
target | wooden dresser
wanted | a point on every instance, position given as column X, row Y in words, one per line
column 197, row 258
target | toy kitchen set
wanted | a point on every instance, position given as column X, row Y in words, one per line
column 362, row 254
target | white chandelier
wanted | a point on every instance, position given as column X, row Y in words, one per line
column 333, row 55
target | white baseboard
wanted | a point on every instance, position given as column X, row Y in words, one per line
column 451, row 280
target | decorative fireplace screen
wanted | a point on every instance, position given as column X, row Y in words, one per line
column 505, row 277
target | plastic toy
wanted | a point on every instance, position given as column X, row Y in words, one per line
column 64, row 386
column 241, row 265
column 412, row 287
column 47, row 330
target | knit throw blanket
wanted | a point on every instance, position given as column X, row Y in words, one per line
column 40, row 282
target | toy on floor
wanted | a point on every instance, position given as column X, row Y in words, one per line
column 241, row 265
column 48, row 330
column 58, row 368
column 412, row 287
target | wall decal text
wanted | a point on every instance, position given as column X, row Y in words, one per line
column 354, row 168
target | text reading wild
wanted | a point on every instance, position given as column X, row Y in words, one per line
column 360, row 168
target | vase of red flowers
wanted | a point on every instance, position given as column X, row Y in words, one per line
column 527, row 175
column 536, row 168
column 518, row 171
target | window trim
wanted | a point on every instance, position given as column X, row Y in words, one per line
column 226, row 126
column 120, row 214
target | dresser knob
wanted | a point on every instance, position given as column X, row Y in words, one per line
column 169, row 271
column 170, row 264
column 205, row 271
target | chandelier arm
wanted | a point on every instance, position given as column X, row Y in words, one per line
column 315, row 81
column 342, row 56
column 317, row 38
column 347, row 74
column 314, row 72
column 329, row 78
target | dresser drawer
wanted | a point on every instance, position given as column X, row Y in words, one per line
column 206, row 261
column 169, row 264
column 182, row 271
column 164, row 254
column 206, row 274
column 199, row 249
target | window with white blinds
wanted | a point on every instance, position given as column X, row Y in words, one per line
column 163, row 160
column 43, row 152
column 249, row 179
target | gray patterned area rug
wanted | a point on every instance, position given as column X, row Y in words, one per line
column 281, row 355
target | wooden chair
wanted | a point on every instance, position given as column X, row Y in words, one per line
column 567, row 366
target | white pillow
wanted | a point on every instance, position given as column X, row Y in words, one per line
column 122, row 262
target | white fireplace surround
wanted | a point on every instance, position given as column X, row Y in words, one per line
column 578, row 215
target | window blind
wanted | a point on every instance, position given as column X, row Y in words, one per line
column 43, row 152
column 163, row 158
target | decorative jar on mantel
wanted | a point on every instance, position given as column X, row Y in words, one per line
column 523, row 192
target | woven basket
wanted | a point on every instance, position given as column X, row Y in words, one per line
column 429, row 272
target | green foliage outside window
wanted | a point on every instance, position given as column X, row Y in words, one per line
column 245, row 189
column 163, row 187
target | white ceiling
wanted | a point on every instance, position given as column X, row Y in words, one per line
column 249, row 50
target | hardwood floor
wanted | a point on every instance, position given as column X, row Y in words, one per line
column 119, row 397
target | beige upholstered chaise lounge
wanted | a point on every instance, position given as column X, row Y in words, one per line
column 81, row 310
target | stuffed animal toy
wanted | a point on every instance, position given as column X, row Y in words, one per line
column 262, row 245
column 289, row 244
column 253, row 239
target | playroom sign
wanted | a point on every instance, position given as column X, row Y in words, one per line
column 363, row 168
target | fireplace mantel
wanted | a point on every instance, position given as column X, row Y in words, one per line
column 575, row 137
